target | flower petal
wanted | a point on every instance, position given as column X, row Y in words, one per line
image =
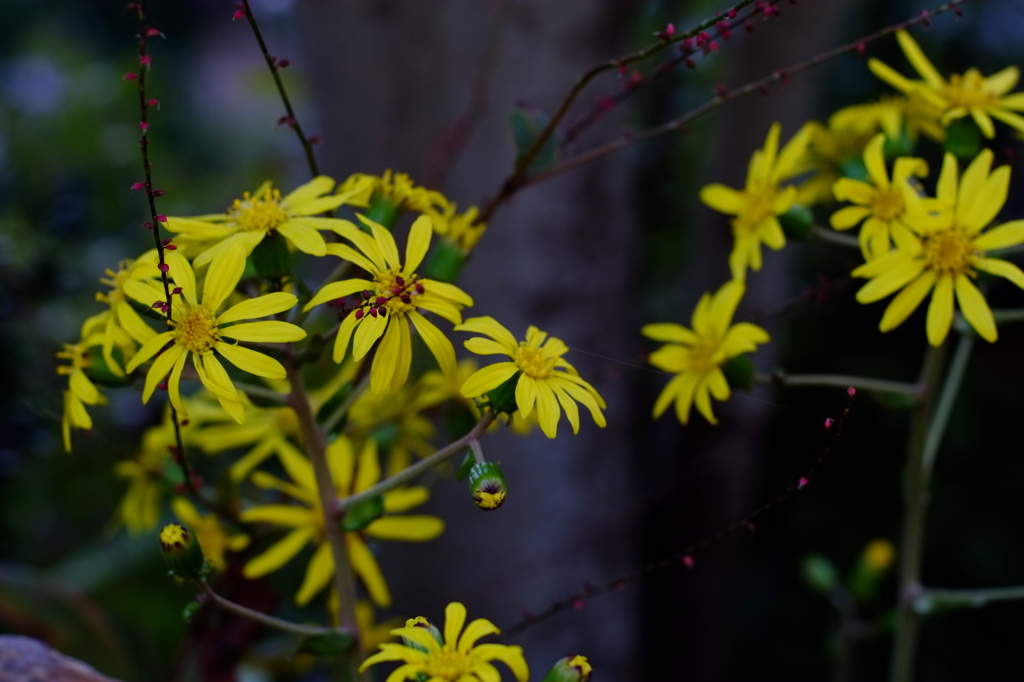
column 418, row 244
column 365, row 566
column 318, row 574
column 723, row 199
column 252, row 361
column 305, row 239
column 367, row 332
column 940, row 310
column 907, row 301
column 436, row 341
column 265, row 331
column 975, row 309
column 269, row 304
column 454, row 619
column 222, row 277
column 410, row 528
column 488, row 378
column 1002, row 268
column 278, row 554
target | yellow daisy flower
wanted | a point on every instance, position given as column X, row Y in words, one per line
column 199, row 331
column 397, row 189
column 545, row 380
column 249, row 219
column 880, row 204
column 946, row 257
column 462, row 229
column 213, row 537
column 458, row 658
column 391, row 302
column 696, row 355
column 81, row 391
column 140, row 507
column 307, row 520
column 968, row 93
column 758, row 205
column 121, row 324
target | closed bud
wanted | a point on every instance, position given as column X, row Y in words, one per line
column 570, row 669
column 182, row 552
column 487, row 485
column 421, row 622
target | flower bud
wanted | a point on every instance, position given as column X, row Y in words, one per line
column 570, row 669
column 487, row 485
column 421, row 622
column 182, row 552
column 446, row 262
column 503, row 398
column 739, row 372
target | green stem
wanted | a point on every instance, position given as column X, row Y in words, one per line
column 409, row 473
column 928, row 598
column 915, row 506
column 947, row 398
column 313, row 440
column 1003, row 316
column 841, row 380
column 827, row 235
column 269, row 621
column 262, row 392
column 346, row 405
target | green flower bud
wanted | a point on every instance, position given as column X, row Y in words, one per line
column 182, row 552
column 487, row 485
column 383, row 212
column 421, row 622
column 963, row 138
column 570, row 669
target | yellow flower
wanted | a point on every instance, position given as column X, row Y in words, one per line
column 968, row 93
column 878, row 556
column 545, row 380
column 462, row 229
column 307, row 520
column 121, row 324
column 397, row 421
column 947, row 256
column 139, row 510
column 758, row 205
column 249, row 219
column 81, row 391
column 457, row 659
column 397, row 189
column 696, row 356
column 391, row 302
column 882, row 205
column 199, row 331
column 213, row 537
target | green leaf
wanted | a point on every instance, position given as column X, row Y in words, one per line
column 526, row 123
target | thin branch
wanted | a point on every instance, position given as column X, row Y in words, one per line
column 833, row 237
column 346, row 405
column 262, row 618
column 408, row 474
column 840, row 380
column 929, row 597
column 760, row 85
column 516, row 179
column 275, row 67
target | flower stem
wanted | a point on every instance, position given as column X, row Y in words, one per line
column 915, row 507
column 841, row 380
column 417, row 468
column 269, row 621
column 827, row 235
column 346, row 405
column 928, row 598
column 313, row 440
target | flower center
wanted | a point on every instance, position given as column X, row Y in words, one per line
column 261, row 213
column 968, row 91
column 397, row 291
column 949, row 252
column 197, row 330
column 531, row 360
column 448, row 664
column 758, row 207
column 887, row 204
column 703, row 356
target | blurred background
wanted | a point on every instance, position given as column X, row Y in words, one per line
column 590, row 256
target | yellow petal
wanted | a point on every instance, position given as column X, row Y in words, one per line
column 148, row 350
column 669, row 332
column 454, row 619
column 180, row 271
column 902, row 271
column 410, row 528
column 487, row 379
column 336, row 290
column 854, row 191
column 388, row 358
column 476, row 630
column 920, row 63
column 907, row 301
column 526, row 395
column 385, row 241
column 490, row 327
column 318, row 574
column 702, row 399
column 940, row 311
column 368, row 468
column 305, row 239
column 367, row 332
column 346, row 252
column 366, row 567
column 316, row 187
column 436, row 341
column 723, row 199
column 975, row 309
column 263, row 306
column 160, row 369
column 875, row 161
column 1002, row 268
column 252, row 361
column 845, row 218
column 1001, row 82
column 404, row 499
column 988, row 201
column 418, row 244
column 266, row 331
column 224, row 273
column 891, row 76
column 279, row 554
column 548, row 413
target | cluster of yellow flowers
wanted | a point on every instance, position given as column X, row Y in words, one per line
column 912, row 243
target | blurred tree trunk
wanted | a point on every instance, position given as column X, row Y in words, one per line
column 392, row 76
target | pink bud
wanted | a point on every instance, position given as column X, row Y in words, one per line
column 143, row 126
column 151, row 32
column 801, row 483
column 359, row 314
column 130, row 76
column 176, row 290
column 148, row 225
column 851, row 391
column 828, row 424
column 861, row 48
column 161, row 218
column 732, row 14
column 164, row 267
column 283, row 63
column 152, row 102
column 138, row 185
column 688, row 561
column 145, row 59
column 171, row 247
column 314, row 140
column 238, row 14
column 158, row 192
column 577, row 604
